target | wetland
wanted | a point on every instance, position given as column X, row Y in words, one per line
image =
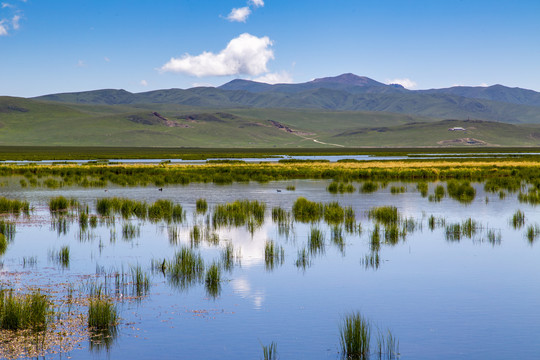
column 295, row 260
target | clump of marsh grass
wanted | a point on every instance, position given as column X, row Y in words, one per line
column 494, row 238
column 461, row 191
column 3, row 244
column 274, row 255
column 102, row 320
column 228, row 257
column 339, row 187
column 60, row 204
column 61, row 256
column 369, row 187
column 438, row 195
column 371, row 261
column 239, row 213
column 307, row 211
column 15, row 207
column 398, row 190
column 7, row 228
column 355, row 336
column 518, row 219
column 375, row 239
column 423, row 188
column 290, row 188
column 195, row 235
column 270, row 351
column 186, row 268
column 302, row 260
column 350, row 220
column 386, row 215
column 316, row 241
column 201, row 206
column 336, row 236
column 130, row 231
column 213, row 280
column 532, row 233
column 140, row 281
column 20, row 312
column 333, row 213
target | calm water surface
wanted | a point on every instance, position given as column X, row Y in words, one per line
column 442, row 299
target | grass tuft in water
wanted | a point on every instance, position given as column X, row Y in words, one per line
column 518, row 219
column 369, row 187
column 316, row 241
column 140, row 281
column 532, row 233
column 302, row 260
column 213, row 280
column 307, row 211
column 355, row 337
column 270, row 351
column 274, row 255
column 386, row 215
column 22, row 312
column 185, row 269
column 201, row 206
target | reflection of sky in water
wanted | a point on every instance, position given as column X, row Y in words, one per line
column 443, row 300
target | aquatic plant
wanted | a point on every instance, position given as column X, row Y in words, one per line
column 518, row 219
column 339, row 187
column 307, row 211
column 355, row 336
column 290, row 188
column 333, row 213
column 58, row 204
column 102, row 314
column 273, row 255
column 494, row 238
column 19, row 312
column 350, row 220
column 423, row 188
column 371, row 261
column 201, row 206
column 3, row 244
column 186, row 268
column 15, row 207
column 369, row 187
column 397, row 189
column 302, row 260
column 532, row 233
column 461, row 191
column 239, row 213
column 316, row 241
column 438, row 194
column 213, row 280
column 7, row 228
column 228, row 257
column 386, row 215
column 453, row 232
column 140, row 281
column 270, row 351
column 375, row 239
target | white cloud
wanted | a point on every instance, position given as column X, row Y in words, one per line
column 406, row 83
column 257, row 3
column 106, row 59
column 246, row 54
column 282, row 77
column 15, row 22
column 7, row 5
column 81, row 63
column 3, row 29
column 144, row 83
column 239, row 15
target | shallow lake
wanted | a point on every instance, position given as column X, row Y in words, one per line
column 474, row 295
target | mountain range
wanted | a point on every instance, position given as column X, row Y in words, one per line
column 345, row 110
column 346, row 92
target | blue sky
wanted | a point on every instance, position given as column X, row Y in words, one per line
column 49, row 46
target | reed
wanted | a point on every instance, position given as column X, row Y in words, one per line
column 371, row 261
column 307, row 211
column 333, row 213
column 386, row 215
column 518, row 219
column 375, row 240
column 20, row 312
column 3, row 244
column 291, row 188
column 270, row 351
column 239, row 213
column 185, row 269
column 423, row 188
column 350, row 220
column 355, row 336
column 140, row 281
column 8, row 229
column 397, row 189
column 213, row 280
column 102, row 314
column 532, row 233
column 228, row 257
column 201, row 206
column 453, row 232
column 461, row 191
column 302, row 259
column 274, row 255
column 15, row 207
column 339, row 187
column 369, row 187
column 316, row 241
